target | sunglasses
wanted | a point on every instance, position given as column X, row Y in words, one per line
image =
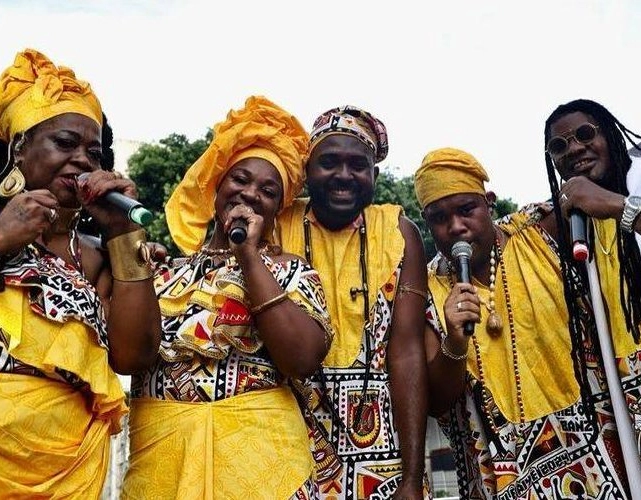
column 583, row 134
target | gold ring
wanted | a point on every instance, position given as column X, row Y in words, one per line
column 458, row 306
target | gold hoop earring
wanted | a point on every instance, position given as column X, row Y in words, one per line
column 13, row 183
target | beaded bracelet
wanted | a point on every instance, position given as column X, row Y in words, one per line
column 269, row 303
column 447, row 353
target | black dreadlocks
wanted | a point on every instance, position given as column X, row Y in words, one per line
column 615, row 134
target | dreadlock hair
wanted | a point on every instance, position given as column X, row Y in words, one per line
column 574, row 277
column 616, row 135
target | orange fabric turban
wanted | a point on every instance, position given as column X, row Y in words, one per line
column 34, row 89
column 260, row 130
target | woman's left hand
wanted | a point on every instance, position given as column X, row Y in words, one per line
column 91, row 190
column 583, row 194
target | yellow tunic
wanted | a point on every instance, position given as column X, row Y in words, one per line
column 335, row 255
column 361, row 460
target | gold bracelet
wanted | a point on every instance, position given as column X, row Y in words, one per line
column 269, row 303
column 406, row 288
column 130, row 257
column 449, row 354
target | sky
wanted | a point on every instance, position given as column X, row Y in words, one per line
column 477, row 75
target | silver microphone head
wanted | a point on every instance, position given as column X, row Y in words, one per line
column 461, row 249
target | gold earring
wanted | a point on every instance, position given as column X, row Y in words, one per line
column 13, row 183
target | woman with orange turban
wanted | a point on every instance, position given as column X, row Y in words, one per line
column 243, row 325
column 71, row 314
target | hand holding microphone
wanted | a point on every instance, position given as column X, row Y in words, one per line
column 237, row 231
column 578, row 228
column 135, row 211
column 578, row 233
column 462, row 253
column 239, row 217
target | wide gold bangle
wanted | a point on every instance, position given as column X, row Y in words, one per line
column 129, row 256
column 268, row 303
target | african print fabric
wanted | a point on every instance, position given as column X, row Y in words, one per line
column 215, row 400
column 556, row 454
column 356, row 444
column 350, row 416
column 59, row 399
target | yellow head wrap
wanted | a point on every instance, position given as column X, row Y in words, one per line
column 260, row 130
column 448, row 171
column 33, row 90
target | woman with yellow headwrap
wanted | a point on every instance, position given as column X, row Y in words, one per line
column 243, row 324
column 71, row 314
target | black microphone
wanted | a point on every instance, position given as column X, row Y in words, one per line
column 134, row 209
column 462, row 253
column 578, row 233
column 237, row 231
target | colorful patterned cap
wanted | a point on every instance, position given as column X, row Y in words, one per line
column 34, row 89
column 351, row 120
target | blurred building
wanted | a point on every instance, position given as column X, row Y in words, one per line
column 123, row 149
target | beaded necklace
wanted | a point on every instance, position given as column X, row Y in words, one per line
column 353, row 292
column 227, row 253
column 497, row 254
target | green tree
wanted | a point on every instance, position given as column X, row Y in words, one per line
column 156, row 169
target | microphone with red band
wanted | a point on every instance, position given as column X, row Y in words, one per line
column 135, row 211
column 578, row 233
column 462, row 253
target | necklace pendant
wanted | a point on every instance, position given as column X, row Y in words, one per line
column 494, row 325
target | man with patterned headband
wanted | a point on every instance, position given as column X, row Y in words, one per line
column 368, row 408
column 526, row 406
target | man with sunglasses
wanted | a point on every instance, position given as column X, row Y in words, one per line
column 586, row 147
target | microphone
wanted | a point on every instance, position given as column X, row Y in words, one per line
column 237, row 231
column 578, row 233
column 135, row 211
column 462, row 253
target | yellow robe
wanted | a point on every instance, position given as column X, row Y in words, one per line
column 226, row 449
column 54, row 437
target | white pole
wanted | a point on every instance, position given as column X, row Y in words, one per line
column 622, row 418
